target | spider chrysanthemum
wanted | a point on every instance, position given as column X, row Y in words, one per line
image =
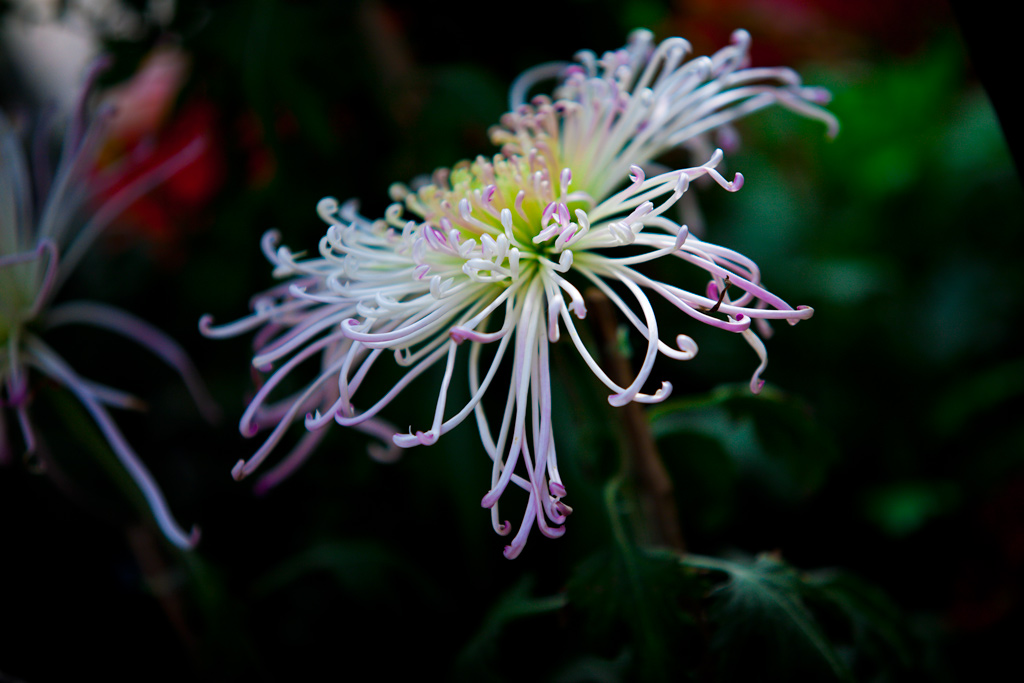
column 48, row 222
column 486, row 263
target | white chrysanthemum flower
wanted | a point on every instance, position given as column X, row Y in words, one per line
column 299, row 321
column 47, row 223
column 631, row 105
column 488, row 259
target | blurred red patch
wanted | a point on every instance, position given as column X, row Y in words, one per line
column 176, row 206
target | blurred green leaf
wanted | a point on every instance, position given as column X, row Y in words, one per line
column 847, row 281
column 979, row 394
column 759, row 612
column 478, row 659
column 901, row 509
column 368, row 569
column 879, row 630
column 771, row 437
column 595, row 670
column 874, row 151
column 705, row 478
column 643, row 593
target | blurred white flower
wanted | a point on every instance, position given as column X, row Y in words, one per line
column 47, row 223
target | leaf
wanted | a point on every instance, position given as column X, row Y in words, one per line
column 772, row 438
column 642, row 600
column 368, row 569
column 900, row 509
column 977, row 397
column 596, row 670
column 637, row 594
column 476, row 661
column 706, row 482
column 759, row 612
column 877, row 626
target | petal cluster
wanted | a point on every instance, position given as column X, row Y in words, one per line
column 489, row 260
column 631, row 105
column 299, row 324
